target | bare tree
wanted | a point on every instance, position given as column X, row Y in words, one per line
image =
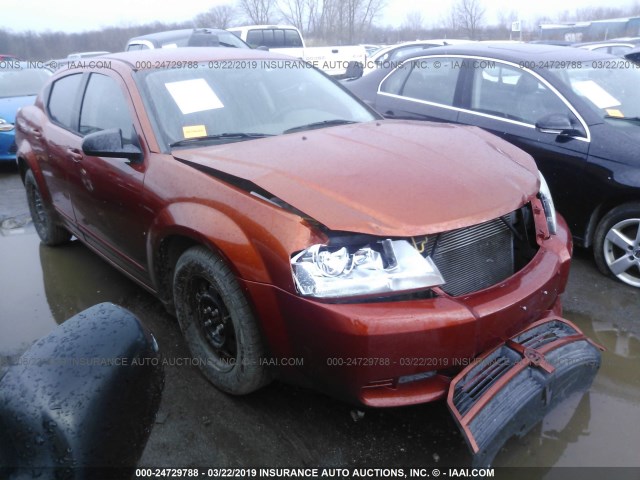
column 413, row 24
column 296, row 13
column 469, row 15
column 258, row 12
column 221, row 16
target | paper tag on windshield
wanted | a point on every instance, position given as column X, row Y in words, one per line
column 594, row 92
column 193, row 96
column 194, row 131
column 614, row 112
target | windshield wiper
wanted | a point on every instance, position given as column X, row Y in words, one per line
column 324, row 123
column 220, row 136
column 628, row 119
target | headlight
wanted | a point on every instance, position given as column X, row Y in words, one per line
column 547, row 204
column 389, row 266
column 5, row 126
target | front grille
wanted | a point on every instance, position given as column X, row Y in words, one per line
column 480, row 256
column 473, row 258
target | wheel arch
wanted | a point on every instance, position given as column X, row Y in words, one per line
column 180, row 227
column 600, row 211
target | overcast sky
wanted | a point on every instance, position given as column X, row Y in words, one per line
column 81, row 15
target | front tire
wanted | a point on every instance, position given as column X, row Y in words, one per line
column 217, row 323
column 616, row 245
column 49, row 232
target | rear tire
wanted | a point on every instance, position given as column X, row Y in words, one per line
column 217, row 323
column 49, row 231
column 616, row 246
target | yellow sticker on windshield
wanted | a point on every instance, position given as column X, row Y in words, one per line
column 614, row 112
column 194, row 131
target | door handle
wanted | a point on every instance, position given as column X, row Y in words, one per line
column 75, row 154
column 335, row 50
column 389, row 113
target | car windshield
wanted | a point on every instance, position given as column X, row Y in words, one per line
column 238, row 100
column 611, row 92
column 17, row 81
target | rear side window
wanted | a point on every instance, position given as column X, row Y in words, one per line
column 255, row 38
column 274, row 38
column 62, row 101
column 431, row 80
column 292, row 39
column 104, row 106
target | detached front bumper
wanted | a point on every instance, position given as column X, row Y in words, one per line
column 508, row 390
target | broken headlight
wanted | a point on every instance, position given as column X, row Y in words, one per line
column 547, row 205
column 389, row 266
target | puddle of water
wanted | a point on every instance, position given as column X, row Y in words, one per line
column 25, row 315
column 43, row 286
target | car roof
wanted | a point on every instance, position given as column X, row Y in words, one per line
column 516, row 52
column 195, row 54
column 170, row 35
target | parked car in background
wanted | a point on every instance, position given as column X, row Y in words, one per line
column 19, row 85
column 73, row 56
column 633, row 55
column 370, row 48
column 269, row 209
column 188, row 37
column 288, row 40
column 575, row 111
column 394, row 54
column 615, row 46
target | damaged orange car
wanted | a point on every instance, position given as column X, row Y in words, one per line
column 296, row 234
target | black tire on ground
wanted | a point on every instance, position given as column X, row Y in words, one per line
column 49, row 231
column 616, row 245
column 217, row 323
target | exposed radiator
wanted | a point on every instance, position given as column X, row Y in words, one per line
column 475, row 257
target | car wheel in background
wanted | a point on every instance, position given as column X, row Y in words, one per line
column 617, row 244
column 49, row 232
column 217, row 322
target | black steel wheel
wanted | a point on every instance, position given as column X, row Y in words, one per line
column 217, row 323
column 49, row 231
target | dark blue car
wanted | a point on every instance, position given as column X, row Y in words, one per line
column 19, row 84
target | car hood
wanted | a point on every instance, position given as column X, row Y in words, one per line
column 9, row 106
column 390, row 177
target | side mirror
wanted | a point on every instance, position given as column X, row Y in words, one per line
column 109, row 143
column 557, row 124
column 263, row 48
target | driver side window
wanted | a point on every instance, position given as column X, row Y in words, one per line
column 508, row 92
column 104, row 107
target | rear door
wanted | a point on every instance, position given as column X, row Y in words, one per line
column 60, row 138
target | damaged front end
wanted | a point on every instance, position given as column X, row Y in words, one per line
column 508, row 390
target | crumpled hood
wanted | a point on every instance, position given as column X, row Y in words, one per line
column 390, row 177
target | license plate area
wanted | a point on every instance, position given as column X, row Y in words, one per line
column 509, row 389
